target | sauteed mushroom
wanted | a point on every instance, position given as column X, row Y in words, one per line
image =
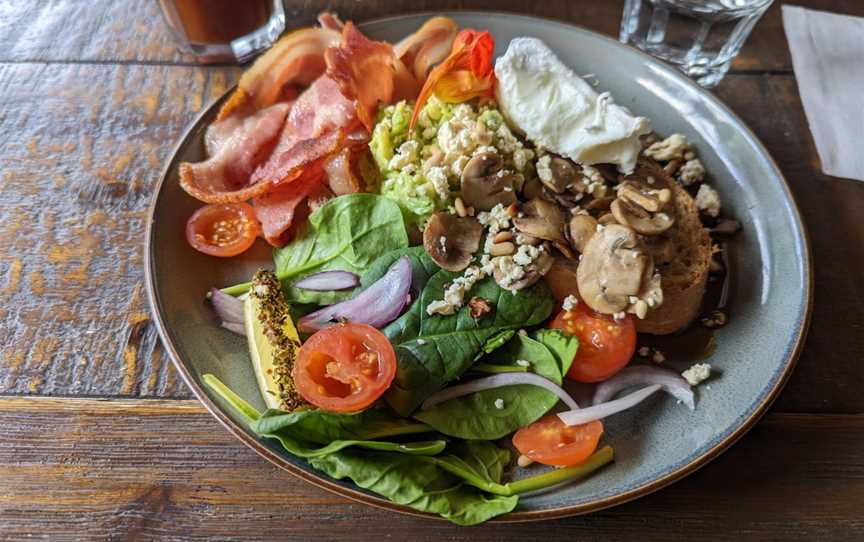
column 485, row 184
column 559, row 175
column 635, row 216
column 612, row 269
column 451, row 241
column 580, row 231
column 540, row 218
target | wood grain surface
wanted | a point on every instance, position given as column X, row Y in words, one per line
column 111, row 31
column 93, row 96
column 167, row 470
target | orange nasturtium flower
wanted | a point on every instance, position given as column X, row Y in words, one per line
column 465, row 74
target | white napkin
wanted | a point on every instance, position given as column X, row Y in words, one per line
column 828, row 57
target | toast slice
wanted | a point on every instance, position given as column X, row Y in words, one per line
column 682, row 256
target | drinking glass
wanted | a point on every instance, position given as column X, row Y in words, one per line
column 700, row 37
column 224, row 30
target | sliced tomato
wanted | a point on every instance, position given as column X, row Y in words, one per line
column 223, row 230
column 345, row 367
column 605, row 344
column 551, row 442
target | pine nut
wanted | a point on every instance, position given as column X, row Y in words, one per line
column 524, row 461
column 503, row 249
column 641, row 309
column 664, row 195
column 460, row 207
column 503, row 236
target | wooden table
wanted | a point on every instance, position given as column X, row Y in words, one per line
column 99, row 439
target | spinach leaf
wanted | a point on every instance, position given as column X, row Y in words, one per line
column 475, row 416
column 422, row 267
column 479, row 463
column 496, row 341
column 423, row 484
column 301, row 449
column 323, row 427
column 434, row 350
column 347, row 233
column 300, row 432
column 561, row 345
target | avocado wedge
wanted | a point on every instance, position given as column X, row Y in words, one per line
column 273, row 341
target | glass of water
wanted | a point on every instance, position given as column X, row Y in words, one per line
column 700, row 37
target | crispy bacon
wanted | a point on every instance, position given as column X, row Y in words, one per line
column 364, row 70
column 293, row 63
column 331, row 21
column 236, row 146
column 428, row 46
column 278, row 209
column 314, row 130
column 340, row 169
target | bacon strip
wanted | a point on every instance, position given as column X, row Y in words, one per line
column 429, row 45
column 293, row 63
column 236, row 146
column 277, row 209
column 364, row 70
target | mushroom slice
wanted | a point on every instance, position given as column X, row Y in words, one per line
column 540, row 218
column 639, row 219
column 563, row 175
column 532, row 188
column 645, row 198
column 598, row 204
column 612, row 268
column 580, row 230
column 451, row 240
column 485, row 184
column 531, row 272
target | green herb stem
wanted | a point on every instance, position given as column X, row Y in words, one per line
column 601, row 457
column 492, row 368
column 248, row 411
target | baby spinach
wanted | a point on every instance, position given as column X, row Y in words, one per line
column 422, row 267
column 303, row 432
column 561, row 345
column 348, row 233
column 476, row 416
column 434, row 350
column 424, row 485
column 323, row 427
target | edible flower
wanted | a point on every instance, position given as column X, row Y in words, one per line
column 465, row 74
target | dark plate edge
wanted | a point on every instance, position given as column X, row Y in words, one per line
column 513, row 517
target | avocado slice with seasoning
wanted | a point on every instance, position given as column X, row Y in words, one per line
column 273, row 341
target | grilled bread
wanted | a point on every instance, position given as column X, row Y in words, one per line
column 682, row 256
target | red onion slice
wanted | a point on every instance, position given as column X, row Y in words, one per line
column 498, row 381
column 377, row 305
column 644, row 375
column 227, row 307
column 604, row 410
column 326, row 281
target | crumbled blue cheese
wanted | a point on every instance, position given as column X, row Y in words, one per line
column 708, row 200
column 496, row 220
column 691, row 172
column 437, row 176
column 499, row 403
column 671, row 148
column 697, row 374
column 544, row 168
column 512, row 268
column 523, row 363
column 570, row 302
column 407, row 154
column 454, row 295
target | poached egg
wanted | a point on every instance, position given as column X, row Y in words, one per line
column 560, row 112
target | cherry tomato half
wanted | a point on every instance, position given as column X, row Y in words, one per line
column 223, row 230
column 345, row 367
column 551, row 442
column 605, row 344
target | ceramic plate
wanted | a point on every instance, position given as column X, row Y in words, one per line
column 755, row 352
